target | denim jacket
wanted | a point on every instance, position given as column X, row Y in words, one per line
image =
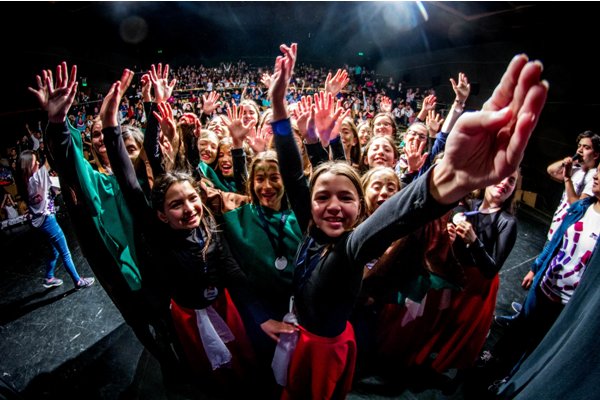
column 575, row 212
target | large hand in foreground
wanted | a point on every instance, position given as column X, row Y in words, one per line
column 487, row 145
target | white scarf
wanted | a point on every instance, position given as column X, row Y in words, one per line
column 214, row 333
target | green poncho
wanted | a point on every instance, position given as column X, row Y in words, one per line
column 255, row 253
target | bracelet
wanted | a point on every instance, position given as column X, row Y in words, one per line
column 460, row 103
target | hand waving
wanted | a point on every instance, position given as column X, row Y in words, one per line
column 462, row 88
column 209, row 103
column 56, row 99
column 162, row 88
column 337, row 83
column 385, row 105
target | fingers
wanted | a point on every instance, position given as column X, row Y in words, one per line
column 454, row 85
column 126, row 79
column 152, row 74
column 73, row 77
column 48, row 74
column 526, row 122
column 503, row 94
column 72, row 92
column 337, row 113
column 230, row 114
column 346, row 114
column 529, row 77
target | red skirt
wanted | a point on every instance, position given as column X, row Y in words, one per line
column 469, row 320
column 186, row 327
column 322, row 368
column 405, row 332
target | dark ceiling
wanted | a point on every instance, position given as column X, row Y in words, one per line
column 104, row 37
column 328, row 32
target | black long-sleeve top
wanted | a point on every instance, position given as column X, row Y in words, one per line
column 324, row 299
column 188, row 274
column 496, row 235
column 317, row 154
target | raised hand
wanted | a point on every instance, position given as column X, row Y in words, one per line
column 340, row 120
column 166, row 121
column 462, row 88
column 146, row 88
column 258, row 141
column 237, row 129
column 266, row 79
column 284, row 68
column 385, row 105
column 110, row 106
column 124, row 83
column 325, row 116
column 434, row 122
column 210, row 102
column 487, row 145
column 429, row 103
column 305, row 120
column 169, row 136
column 191, row 119
column 415, row 158
column 335, row 84
column 162, row 88
column 57, row 98
column 42, row 92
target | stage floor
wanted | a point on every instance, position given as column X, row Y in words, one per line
column 62, row 343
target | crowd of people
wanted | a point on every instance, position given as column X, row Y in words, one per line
column 217, row 205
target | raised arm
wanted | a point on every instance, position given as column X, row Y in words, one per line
column 117, row 153
column 462, row 89
column 290, row 161
column 57, row 98
column 151, row 142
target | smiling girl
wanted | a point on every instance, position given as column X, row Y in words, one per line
column 182, row 236
column 329, row 264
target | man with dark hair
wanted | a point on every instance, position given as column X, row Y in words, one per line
column 576, row 173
